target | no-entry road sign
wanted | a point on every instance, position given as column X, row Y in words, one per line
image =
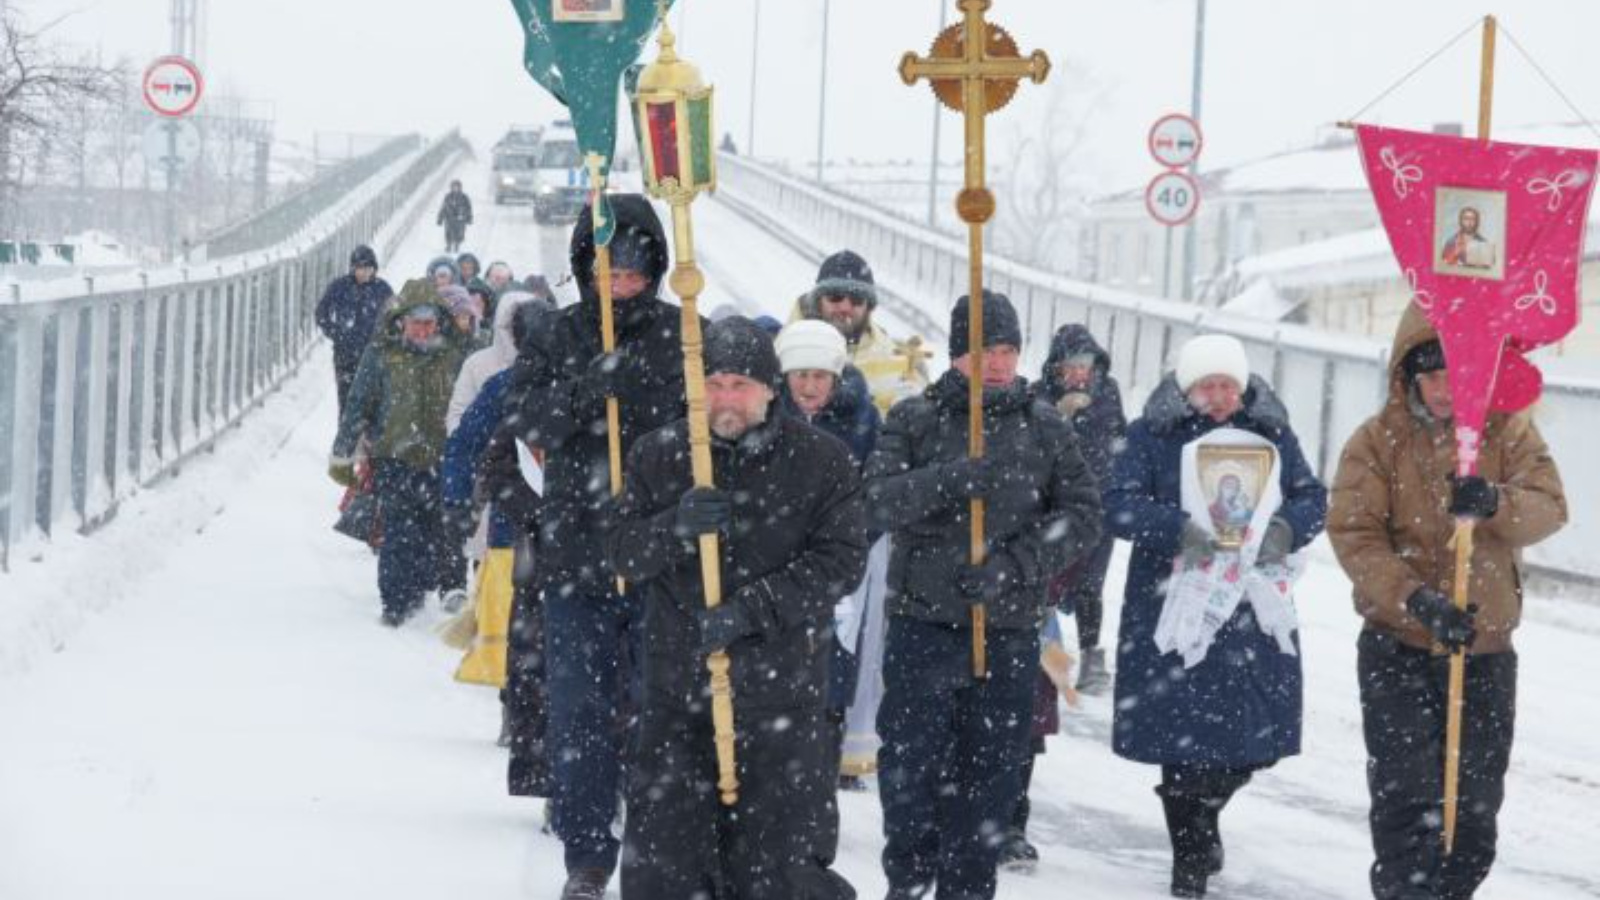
column 1175, row 140
column 172, row 86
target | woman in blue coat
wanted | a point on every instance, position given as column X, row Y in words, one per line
column 1211, row 726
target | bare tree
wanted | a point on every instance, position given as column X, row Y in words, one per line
column 39, row 79
column 1043, row 187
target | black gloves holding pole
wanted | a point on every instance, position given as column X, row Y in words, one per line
column 1451, row 626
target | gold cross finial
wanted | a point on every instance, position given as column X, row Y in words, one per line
column 914, row 354
column 974, row 68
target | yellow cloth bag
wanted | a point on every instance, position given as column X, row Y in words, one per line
column 485, row 663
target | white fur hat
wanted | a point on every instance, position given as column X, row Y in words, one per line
column 811, row 344
column 1212, row 354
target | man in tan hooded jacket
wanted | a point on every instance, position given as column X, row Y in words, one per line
column 1393, row 513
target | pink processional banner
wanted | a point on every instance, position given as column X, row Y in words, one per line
column 1490, row 237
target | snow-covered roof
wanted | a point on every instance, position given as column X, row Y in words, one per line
column 1331, row 167
column 1261, row 301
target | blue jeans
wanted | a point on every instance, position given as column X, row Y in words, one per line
column 591, row 645
column 950, row 770
column 413, row 533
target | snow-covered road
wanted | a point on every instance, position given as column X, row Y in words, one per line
column 212, row 710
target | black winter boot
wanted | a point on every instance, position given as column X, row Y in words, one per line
column 586, row 884
column 1017, row 853
column 1210, row 812
column 1191, row 862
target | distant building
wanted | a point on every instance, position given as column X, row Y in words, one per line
column 1271, row 204
column 1296, row 238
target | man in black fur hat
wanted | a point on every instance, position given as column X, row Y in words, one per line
column 954, row 744
column 787, row 507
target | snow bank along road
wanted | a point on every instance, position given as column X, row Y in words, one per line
column 212, row 710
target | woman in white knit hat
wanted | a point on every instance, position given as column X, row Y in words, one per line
column 1209, row 723
column 822, row 388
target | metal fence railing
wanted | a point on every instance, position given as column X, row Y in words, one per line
column 105, row 390
column 1331, row 383
column 275, row 224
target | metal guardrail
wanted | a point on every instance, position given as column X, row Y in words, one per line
column 277, row 223
column 107, row 391
column 1331, row 383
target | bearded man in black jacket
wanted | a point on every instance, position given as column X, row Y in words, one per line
column 787, row 506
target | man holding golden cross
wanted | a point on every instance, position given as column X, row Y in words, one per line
column 966, row 596
column 949, row 771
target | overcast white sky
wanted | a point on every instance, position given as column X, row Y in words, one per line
column 1277, row 71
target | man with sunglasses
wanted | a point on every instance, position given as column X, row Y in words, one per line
column 845, row 296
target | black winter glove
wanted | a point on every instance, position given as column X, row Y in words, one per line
column 1276, row 543
column 1473, row 497
column 602, row 379
column 967, row 478
column 702, row 510
column 459, row 523
column 721, row 627
column 1454, row 628
column 987, row 580
column 1197, row 547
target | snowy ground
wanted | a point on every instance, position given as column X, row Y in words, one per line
column 213, row 711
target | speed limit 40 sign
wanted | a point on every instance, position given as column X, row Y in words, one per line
column 1172, row 198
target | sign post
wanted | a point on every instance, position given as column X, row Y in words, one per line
column 1173, row 197
column 172, row 87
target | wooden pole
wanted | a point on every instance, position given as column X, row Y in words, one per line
column 688, row 282
column 608, row 330
column 975, row 103
column 1464, row 526
column 987, row 69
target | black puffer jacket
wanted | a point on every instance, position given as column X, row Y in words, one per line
column 797, row 543
column 1101, row 425
column 543, row 405
column 1046, row 514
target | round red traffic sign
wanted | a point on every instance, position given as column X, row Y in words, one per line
column 1172, row 198
column 1175, row 140
column 172, row 86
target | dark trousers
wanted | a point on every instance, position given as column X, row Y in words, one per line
column 343, row 377
column 452, row 574
column 524, row 693
column 1404, row 694
column 826, row 838
column 683, row 844
column 1024, row 807
column 953, row 750
column 1083, row 595
column 591, row 644
column 413, row 533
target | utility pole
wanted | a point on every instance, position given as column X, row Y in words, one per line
column 933, row 170
column 822, row 100
column 755, row 56
column 186, row 29
column 185, row 20
column 1189, row 236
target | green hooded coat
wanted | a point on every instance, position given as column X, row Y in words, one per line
column 401, row 390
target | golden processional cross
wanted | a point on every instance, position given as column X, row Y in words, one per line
column 974, row 68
